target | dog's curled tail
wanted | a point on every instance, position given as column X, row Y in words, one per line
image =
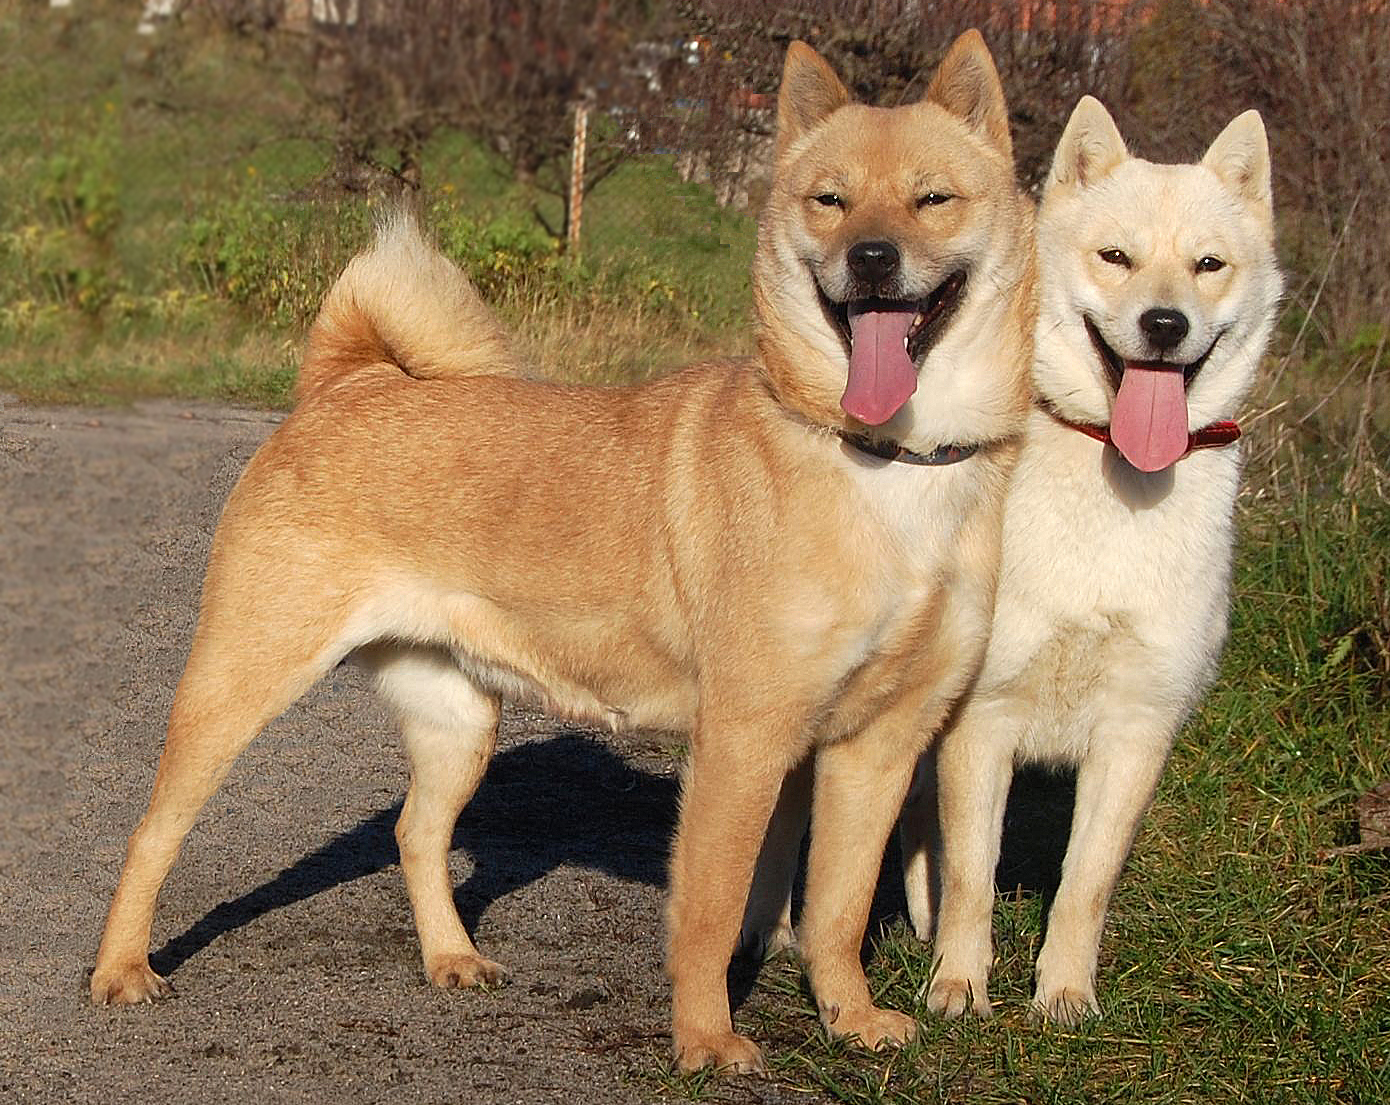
column 401, row 302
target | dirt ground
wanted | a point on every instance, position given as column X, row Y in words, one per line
column 284, row 926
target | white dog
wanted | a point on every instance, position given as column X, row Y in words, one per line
column 1158, row 287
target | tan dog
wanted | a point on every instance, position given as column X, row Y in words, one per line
column 722, row 551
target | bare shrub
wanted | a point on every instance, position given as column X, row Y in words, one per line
column 1048, row 54
column 697, row 78
column 1319, row 71
column 243, row 16
column 508, row 73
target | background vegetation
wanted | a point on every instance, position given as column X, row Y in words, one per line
column 172, row 208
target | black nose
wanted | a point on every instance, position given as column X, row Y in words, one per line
column 874, row 263
column 1164, row 326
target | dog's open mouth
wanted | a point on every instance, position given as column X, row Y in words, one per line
column 886, row 340
column 1148, row 422
column 1115, row 365
column 929, row 315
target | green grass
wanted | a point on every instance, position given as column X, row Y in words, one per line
column 1237, row 965
column 167, row 227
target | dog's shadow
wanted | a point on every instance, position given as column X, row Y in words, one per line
column 570, row 800
column 565, row 801
column 1037, row 823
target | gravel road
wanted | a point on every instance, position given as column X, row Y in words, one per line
column 285, row 926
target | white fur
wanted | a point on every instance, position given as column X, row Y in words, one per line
column 1113, row 596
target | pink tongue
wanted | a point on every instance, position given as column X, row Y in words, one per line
column 882, row 376
column 1149, row 422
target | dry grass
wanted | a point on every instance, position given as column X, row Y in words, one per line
column 607, row 344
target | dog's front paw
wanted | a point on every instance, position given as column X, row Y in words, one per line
column 1067, row 1006
column 128, row 984
column 726, row 1052
column 874, row 1028
column 953, row 997
column 458, row 971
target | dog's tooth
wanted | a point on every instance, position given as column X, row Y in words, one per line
column 919, row 318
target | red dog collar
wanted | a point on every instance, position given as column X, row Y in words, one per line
column 1215, row 436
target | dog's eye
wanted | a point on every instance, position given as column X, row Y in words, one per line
column 933, row 199
column 1210, row 264
column 829, row 199
column 1114, row 256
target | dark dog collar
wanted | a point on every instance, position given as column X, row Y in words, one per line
column 1215, row 436
column 891, row 450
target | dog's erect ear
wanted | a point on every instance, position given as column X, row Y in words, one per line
column 809, row 92
column 1240, row 157
column 1090, row 146
column 966, row 84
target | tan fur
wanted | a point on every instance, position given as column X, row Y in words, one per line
column 700, row 553
column 399, row 297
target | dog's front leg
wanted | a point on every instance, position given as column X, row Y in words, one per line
column 859, row 789
column 975, row 765
column 1115, row 783
column 731, row 785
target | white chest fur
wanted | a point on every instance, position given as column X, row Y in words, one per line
column 1113, row 591
column 898, row 533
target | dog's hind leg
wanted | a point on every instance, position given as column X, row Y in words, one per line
column 244, row 669
column 919, row 840
column 449, row 726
